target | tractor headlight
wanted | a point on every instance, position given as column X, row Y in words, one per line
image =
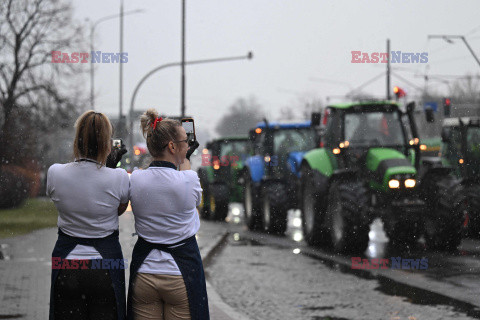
column 410, row 183
column 394, row 184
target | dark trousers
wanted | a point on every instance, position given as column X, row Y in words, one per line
column 85, row 294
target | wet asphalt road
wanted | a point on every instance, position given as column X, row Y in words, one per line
column 270, row 277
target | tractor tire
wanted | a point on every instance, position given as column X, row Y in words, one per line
column 444, row 220
column 219, row 200
column 204, row 207
column 274, row 205
column 348, row 233
column 251, row 204
column 313, row 211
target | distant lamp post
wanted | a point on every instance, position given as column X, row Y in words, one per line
column 448, row 39
column 249, row 56
column 92, row 35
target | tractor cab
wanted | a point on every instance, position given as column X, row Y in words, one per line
column 282, row 145
column 461, row 146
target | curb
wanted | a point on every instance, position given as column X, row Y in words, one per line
column 214, row 298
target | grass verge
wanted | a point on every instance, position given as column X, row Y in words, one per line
column 32, row 215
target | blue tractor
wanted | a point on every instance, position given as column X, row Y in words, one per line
column 270, row 176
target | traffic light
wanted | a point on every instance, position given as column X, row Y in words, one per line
column 399, row 92
column 447, row 104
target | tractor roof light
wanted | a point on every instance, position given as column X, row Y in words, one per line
column 258, row 130
column 410, row 183
column 336, row 151
column 394, row 184
column 461, row 161
column 267, row 159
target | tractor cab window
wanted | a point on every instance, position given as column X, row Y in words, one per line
column 453, row 150
column 234, row 149
column 473, row 150
column 374, row 128
column 286, row 141
column 258, row 146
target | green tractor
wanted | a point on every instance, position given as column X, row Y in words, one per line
column 461, row 150
column 368, row 166
column 222, row 162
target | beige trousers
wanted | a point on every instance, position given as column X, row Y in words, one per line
column 160, row 297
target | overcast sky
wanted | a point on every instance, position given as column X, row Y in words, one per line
column 297, row 45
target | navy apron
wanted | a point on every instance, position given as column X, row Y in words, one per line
column 109, row 248
column 187, row 257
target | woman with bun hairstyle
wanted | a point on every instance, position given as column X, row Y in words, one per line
column 88, row 276
column 167, row 280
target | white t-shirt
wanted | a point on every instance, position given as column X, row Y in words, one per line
column 164, row 203
column 87, row 199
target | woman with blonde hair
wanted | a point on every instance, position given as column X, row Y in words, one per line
column 88, row 277
column 167, row 279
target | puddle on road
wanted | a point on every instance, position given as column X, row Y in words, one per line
column 424, row 297
column 318, row 308
column 11, row 316
column 328, row 318
column 239, row 241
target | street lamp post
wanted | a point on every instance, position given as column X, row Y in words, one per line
column 92, row 34
column 448, row 37
column 173, row 64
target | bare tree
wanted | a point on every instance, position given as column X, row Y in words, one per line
column 242, row 115
column 37, row 97
column 466, row 90
column 33, row 90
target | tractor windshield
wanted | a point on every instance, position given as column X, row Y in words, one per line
column 473, row 150
column 233, row 148
column 374, row 129
column 289, row 140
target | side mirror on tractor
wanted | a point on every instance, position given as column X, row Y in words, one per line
column 445, row 135
column 411, row 107
column 429, row 115
column 316, row 118
column 252, row 135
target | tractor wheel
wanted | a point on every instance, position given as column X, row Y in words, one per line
column 204, row 208
column 444, row 221
column 274, row 204
column 313, row 212
column 348, row 233
column 251, row 204
column 219, row 199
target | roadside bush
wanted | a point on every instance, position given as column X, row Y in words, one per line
column 16, row 185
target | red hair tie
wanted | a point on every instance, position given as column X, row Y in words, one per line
column 154, row 124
